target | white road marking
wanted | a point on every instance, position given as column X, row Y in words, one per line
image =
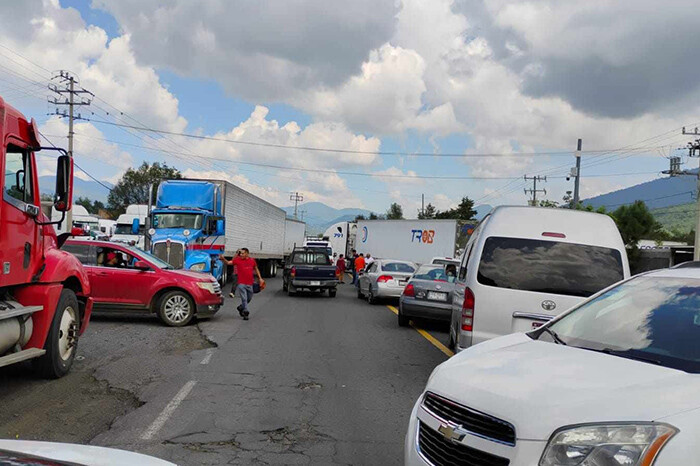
column 169, row 410
column 207, row 357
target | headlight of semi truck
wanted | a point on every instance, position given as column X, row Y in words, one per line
column 209, row 286
column 198, row 267
column 607, row 445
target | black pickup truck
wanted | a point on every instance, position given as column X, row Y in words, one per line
column 310, row 269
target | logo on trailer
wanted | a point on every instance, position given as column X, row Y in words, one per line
column 365, row 233
column 549, row 305
column 423, row 236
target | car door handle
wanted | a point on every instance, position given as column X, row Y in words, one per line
column 102, row 274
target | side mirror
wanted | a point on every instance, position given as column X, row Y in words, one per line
column 64, row 184
column 142, row 265
column 135, row 226
column 220, row 228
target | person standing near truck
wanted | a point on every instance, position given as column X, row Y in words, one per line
column 359, row 267
column 245, row 267
column 340, row 265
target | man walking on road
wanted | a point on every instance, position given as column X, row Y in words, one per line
column 340, row 266
column 244, row 266
column 351, row 264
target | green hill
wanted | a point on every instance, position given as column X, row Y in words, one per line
column 680, row 218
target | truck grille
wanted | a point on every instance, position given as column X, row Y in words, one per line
column 475, row 422
column 172, row 253
column 438, row 451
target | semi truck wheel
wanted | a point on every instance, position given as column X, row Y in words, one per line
column 224, row 276
column 332, row 292
column 62, row 340
column 176, row 309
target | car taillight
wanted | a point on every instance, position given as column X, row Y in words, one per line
column 384, row 278
column 293, row 272
column 468, row 310
column 409, row 290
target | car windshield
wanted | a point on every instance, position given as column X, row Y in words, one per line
column 653, row 319
column 149, row 257
column 548, row 266
column 125, row 229
column 397, row 267
column 177, row 220
column 434, row 273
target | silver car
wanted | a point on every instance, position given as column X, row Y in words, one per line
column 384, row 278
column 428, row 294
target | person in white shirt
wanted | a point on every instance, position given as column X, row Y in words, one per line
column 368, row 261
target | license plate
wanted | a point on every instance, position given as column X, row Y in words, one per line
column 537, row 324
column 437, row 296
column 314, row 283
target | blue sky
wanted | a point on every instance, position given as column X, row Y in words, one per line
column 401, row 93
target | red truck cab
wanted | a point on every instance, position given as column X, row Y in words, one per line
column 126, row 279
column 44, row 291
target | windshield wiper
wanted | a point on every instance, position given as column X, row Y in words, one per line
column 628, row 355
column 554, row 336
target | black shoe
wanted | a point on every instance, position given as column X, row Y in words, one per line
column 246, row 314
column 240, row 310
column 245, row 317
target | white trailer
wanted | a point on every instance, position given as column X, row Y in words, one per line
column 412, row 240
column 253, row 223
column 294, row 234
column 338, row 235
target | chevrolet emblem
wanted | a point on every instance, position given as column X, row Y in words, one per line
column 449, row 433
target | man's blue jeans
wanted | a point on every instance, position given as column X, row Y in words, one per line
column 245, row 292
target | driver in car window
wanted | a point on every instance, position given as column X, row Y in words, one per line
column 451, row 271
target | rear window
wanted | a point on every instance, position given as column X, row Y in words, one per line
column 548, row 266
column 397, row 267
column 431, row 273
column 311, row 258
column 445, row 262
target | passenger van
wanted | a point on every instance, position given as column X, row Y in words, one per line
column 524, row 265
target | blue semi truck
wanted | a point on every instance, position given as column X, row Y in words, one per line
column 194, row 221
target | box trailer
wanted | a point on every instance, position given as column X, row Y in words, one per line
column 294, row 234
column 412, row 240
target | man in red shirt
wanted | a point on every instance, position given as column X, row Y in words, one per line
column 245, row 266
column 359, row 267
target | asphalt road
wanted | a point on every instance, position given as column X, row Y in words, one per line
column 307, row 380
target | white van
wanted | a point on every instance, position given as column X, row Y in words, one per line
column 524, row 265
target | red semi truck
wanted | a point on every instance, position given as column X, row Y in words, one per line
column 44, row 291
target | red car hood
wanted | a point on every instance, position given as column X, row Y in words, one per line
column 189, row 274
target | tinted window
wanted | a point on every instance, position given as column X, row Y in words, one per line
column 430, row 273
column 646, row 318
column 397, row 267
column 81, row 251
column 445, row 262
column 548, row 266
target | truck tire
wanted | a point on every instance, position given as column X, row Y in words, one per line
column 332, row 292
column 62, row 340
column 291, row 290
column 224, row 276
column 273, row 270
column 403, row 320
column 359, row 293
column 175, row 308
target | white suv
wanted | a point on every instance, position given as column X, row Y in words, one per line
column 612, row 382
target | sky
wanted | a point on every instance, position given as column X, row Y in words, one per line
column 441, row 98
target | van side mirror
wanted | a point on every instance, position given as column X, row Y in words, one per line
column 135, row 224
column 220, row 228
column 64, row 184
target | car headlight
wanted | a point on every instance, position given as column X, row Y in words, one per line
column 209, row 286
column 198, row 267
column 607, row 445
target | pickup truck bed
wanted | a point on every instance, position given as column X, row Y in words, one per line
column 310, row 269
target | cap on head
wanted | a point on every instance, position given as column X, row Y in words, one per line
column 111, row 256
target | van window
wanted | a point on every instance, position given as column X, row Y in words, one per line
column 548, row 266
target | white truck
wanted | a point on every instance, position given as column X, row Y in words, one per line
column 412, row 240
column 81, row 219
column 124, row 229
column 294, row 234
column 338, row 236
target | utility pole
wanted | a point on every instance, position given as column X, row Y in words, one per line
column 422, row 204
column 296, row 197
column 577, row 173
column 534, row 189
column 66, row 85
column 302, row 212
column 693, row 151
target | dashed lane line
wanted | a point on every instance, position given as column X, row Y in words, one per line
column 207, row 357
column 435, row 342
column 168, row 411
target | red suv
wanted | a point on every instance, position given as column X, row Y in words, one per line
column 124, row 278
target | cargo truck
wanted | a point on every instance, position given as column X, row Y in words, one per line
column 45, row 302
column 294, row 234
column 124, row 230
column 411, row 240
column 194, row 221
